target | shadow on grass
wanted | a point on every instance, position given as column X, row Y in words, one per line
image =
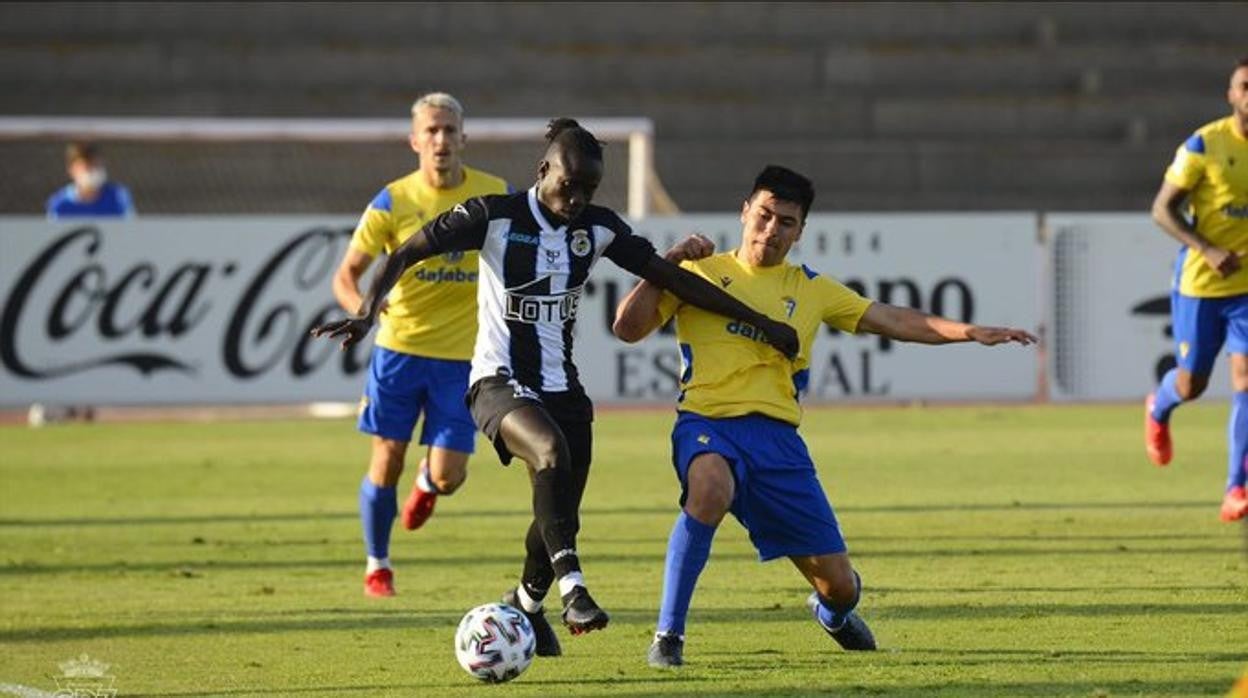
column 304, row 516
column 966, row 689
column 335, row 620
column 465, row 687
column 208, row 565
column 663, row 687
column 736, row 662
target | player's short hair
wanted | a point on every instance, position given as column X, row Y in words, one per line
column 439, row 100
column 81, row 150
column 1243, row 62
column 570, row 134
column 785, row 184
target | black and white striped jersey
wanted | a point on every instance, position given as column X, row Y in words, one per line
column 530, row 282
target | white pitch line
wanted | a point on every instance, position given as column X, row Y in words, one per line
column 24, row 691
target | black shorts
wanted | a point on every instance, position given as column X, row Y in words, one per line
column 490, row 399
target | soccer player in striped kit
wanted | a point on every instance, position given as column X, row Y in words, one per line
column 537, row 249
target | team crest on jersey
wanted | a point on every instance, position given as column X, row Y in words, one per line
column 460, row 209
column 580, row 244
column 790, row 304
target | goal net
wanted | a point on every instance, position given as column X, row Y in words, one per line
column 229, row 165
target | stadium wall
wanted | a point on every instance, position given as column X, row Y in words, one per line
column 186, row 310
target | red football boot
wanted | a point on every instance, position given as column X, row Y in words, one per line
column 418, row 508
column 1234, row 505
column 379, row 582
column 1156, row 435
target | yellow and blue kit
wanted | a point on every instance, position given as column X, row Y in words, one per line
column 1212, row 166
column 727, row 369
column 1210, row 311
column 740, row 397
column 432, row 310
column 420, row 364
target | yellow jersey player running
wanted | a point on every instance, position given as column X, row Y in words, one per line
column 735, row 445
column 421, row 359
column 1209, row 296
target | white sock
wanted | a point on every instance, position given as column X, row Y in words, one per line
column 528, row 603
column 570, row 581
column 377, row 563
column 422, row 480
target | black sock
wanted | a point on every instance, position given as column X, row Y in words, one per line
column 558, row 526
column 538, row 575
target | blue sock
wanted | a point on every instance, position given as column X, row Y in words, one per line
column 687, row 550
column 378, row 507
column 1166, row 398
column 1237, row 432
column 831, row 616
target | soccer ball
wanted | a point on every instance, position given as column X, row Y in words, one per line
column 494, row 643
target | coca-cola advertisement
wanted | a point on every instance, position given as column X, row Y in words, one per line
column 172, row 310
column 164, row 310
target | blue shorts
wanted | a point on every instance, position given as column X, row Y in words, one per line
column 1203, row 325
column 401, row 386
column 778, row 496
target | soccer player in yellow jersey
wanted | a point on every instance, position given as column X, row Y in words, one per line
column 735, row 445
column 421, row 359
column 1209, row 296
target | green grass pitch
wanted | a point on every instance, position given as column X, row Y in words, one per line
column 1004, row 551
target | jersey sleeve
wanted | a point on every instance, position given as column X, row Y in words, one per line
column 669, row 303
column 125, row 201
column 53, row 205
column 374, row 233
column 462, row 227
column 628, row 251
column 1188, row 166
column 843, row 308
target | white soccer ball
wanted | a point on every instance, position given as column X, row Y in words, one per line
column 494, row 643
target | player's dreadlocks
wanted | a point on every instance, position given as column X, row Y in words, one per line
column 569, row 134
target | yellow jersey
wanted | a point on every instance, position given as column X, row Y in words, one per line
column 1212, row 166
column 727, row 369
column 432, row 309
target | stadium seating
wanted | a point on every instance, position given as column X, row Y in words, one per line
column 928, row 106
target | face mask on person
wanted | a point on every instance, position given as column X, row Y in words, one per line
column 91, row 178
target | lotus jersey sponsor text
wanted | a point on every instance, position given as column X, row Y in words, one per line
column 534, row 309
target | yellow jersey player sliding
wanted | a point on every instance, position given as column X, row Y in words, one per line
column 735, row 445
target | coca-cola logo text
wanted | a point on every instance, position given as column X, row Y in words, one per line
column 146, row 308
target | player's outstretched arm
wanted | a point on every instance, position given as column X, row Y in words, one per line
column 910, row 325
column 638, row 314
column 355, row 328
column 461, row 228
column 695, row 290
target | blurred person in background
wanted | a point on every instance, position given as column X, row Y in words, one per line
column 89, row 193
column 1203, row 203
column 419, row 364
column 735, row 444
